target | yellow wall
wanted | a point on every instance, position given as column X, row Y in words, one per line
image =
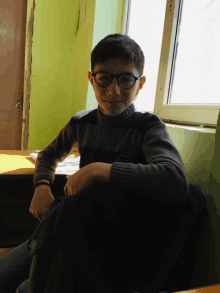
column 60, row 62
column 196, row 148
column 108, row 20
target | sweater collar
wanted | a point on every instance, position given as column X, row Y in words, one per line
column 109, row 121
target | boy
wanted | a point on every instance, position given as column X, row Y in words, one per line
column 117, row 144
column 115, row 108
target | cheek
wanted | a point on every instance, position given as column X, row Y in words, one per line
column 126, row 95
column 100, row 94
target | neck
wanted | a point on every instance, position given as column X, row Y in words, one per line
column 110, row 120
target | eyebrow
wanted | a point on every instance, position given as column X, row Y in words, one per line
column 126, row 72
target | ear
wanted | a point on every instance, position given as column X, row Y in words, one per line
column 137, row 93
column 142, row 82
column 90, row 77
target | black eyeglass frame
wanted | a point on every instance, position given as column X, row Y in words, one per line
column 117, row 76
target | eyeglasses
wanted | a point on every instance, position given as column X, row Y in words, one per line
column 125, row 80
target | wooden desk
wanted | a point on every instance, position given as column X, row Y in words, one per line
column 17, row 224
column 18, row 162
column 210, row 289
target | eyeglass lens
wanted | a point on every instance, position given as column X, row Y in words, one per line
column 104, row 79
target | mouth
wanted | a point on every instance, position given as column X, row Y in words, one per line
column 113, row 102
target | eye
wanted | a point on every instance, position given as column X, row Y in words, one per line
column 125, row 79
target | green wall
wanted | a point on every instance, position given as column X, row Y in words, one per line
column 196, row 148
column 60, row 62
column 61, row 56
column 108, row 20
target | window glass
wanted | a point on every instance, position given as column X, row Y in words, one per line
column 146, row 24
column 197, row 66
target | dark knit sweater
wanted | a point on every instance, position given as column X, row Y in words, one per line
column 144, row 159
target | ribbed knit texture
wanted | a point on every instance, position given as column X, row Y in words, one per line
column 155, row 168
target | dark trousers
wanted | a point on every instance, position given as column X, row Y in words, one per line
column 15, row 265
column 14, row 269
column 119, row 208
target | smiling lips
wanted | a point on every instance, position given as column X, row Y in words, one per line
column 113, row 102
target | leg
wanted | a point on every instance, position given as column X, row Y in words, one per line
column 23, row 287
column 15, row 268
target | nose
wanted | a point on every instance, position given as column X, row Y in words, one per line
column 113, row 87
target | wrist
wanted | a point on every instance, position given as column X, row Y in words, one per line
column 43, row 180
column 43, row 186
column 103, row 172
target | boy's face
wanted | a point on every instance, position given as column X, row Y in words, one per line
column 113, row 99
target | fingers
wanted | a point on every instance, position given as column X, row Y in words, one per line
column 65, row 190
column 40, row 217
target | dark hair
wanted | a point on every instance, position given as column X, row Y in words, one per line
column 118, row 46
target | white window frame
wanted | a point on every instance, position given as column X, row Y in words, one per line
column 185, row 114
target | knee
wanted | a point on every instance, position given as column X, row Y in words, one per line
column 23, row 287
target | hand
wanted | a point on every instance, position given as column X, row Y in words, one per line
column 81, row 180
column 41, row 202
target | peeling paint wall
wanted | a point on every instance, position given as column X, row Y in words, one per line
column 61, row 52
column 27, row 74
column 60, row 61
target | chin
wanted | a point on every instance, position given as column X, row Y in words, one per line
column 113, row 113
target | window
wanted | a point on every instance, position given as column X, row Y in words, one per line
column 181, row 44
column 145, row 15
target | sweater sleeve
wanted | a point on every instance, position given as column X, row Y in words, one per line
column 55, row 152
column 162, row 177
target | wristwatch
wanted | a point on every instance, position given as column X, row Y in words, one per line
column 41, row 183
